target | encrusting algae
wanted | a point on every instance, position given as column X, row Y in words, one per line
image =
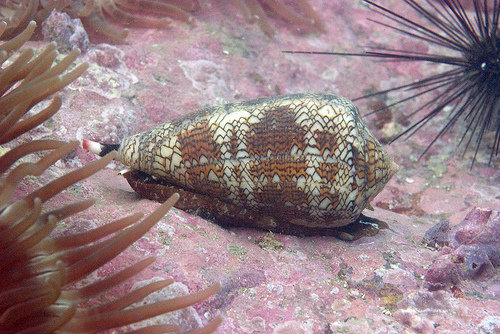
column 35, row 268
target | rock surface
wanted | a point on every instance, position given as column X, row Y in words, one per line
column 279, row 283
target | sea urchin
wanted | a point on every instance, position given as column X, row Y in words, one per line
column 471, row 84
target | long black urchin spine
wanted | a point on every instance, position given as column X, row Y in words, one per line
column 470, row 86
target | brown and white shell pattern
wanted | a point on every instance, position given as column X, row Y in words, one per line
column 308, row 159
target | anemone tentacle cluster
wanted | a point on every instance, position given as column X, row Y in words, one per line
column 98, row 15
column 35, row 268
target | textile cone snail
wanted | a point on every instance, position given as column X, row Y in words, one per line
column 304, row 159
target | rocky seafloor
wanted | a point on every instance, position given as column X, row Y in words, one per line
column 272, row 283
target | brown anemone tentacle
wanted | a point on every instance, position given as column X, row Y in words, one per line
column 51, row 324
column 119, row 242
column 3, row 26
column 307, row 9
column 16, row 42
column 35, row 169
column 97, row 22
column 259, row 16
column 157, row 329
column 10, row 215
column 45, row 70
column 127, row 300
column 63, row 80
column 244, row 10
column 85, row 238
column 182, row 4
column 10, row 157
column 128, row 19
column 27, row 271
column 19, row 226
column 25, row 125
column 15, row 114
column 100, row 286
column 22, row 16
column 286, row 13
column 77, row 9
column 11, row 75
column 155, row 7
column 117, row 318
column 35, row 233
column 75, row 254
column 51, row 189
column 27, row 94
column 69, row 209
column 42, row 66
column 24, row 71
column 22, row 294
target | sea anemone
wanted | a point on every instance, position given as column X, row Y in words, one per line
column 36, row 268
column 469, row 89
column 254, row 11
column 139, row 13
column 97, row 15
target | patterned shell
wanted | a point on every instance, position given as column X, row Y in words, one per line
column 307, row 159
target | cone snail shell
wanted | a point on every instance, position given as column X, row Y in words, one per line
column 306, row 159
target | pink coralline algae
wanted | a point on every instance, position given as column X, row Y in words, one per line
column 278, row 283
column 471, row 249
